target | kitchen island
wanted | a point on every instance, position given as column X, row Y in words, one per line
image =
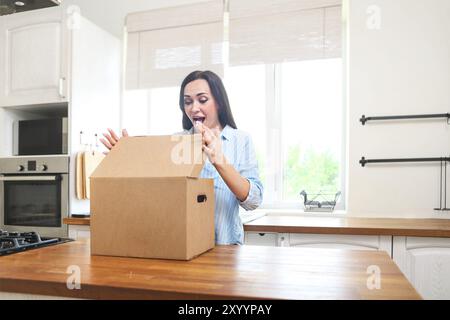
column 225, row 272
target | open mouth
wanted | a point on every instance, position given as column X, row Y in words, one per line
column 197, row 119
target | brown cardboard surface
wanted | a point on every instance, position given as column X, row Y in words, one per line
column 154, row 156
column 145, row 205
column 199, row 215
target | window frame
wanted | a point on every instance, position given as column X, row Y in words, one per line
column 274, row 145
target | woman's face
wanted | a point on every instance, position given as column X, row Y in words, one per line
column 200, row 105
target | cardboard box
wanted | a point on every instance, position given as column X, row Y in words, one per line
column 148, row 202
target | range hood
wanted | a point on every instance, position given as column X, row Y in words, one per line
column 14, row 6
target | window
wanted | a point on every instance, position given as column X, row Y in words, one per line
column 282, row 68
column 311, row 106
column 152, row 112
column 246, row 88
column 294, row 114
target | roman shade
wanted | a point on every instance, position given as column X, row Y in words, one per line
column 164, row 45
column 267, row 31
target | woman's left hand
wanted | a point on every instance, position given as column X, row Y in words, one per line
column 212, row 144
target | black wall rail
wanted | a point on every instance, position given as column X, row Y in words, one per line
column 443, row 174
column 365, row 161
column 364, row 119
column 443, row 184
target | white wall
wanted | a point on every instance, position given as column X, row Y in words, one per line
column 401, row 68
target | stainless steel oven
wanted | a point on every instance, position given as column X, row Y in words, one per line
column 34, row 194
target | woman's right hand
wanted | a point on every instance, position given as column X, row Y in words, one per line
column 112, row 138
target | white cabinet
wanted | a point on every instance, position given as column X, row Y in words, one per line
column 34, row 57
column 327, row 241
column 261, row 239
column 426, row 264
column 79, row 232
column 335, row 241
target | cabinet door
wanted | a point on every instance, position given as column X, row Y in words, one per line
column 334, row 241
column 426, row 264
column 34, row 58
column 79, row 232
column 261, row 239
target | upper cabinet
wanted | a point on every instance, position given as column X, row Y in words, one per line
column 34, row 58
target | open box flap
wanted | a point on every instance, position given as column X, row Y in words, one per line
column 153, row 156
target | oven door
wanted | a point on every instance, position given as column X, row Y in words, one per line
column 34, row 203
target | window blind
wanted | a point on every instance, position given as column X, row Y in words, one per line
column 267, row 31
column 164, row 45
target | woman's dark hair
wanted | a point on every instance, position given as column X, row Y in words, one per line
column 219, row 94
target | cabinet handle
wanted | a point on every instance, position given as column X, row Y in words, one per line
column 29, row 178
column 61, row 87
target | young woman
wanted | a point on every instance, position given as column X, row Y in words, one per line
column 232, row 160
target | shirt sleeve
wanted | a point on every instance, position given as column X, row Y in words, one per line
column 248, row 168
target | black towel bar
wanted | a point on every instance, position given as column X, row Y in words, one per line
column 443, row 174
column 364, row 161
column 364, row 119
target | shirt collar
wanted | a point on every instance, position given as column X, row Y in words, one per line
column 225, row 134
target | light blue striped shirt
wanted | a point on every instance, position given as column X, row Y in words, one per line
column 237, row 146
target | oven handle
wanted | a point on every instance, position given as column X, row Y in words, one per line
column 33, row 178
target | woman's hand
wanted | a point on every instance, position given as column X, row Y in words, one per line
column 212, row 144
column 112, row 138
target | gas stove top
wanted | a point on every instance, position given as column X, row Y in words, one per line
column 13, row 242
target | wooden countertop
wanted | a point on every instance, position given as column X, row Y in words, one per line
column 338, row 225
column 352, row 226
column 226, row 272
column 77, row 221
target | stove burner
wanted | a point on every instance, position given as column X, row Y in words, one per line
column 12, row 242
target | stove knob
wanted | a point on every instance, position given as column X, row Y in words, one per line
column 44, row 167
column 20, row 168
